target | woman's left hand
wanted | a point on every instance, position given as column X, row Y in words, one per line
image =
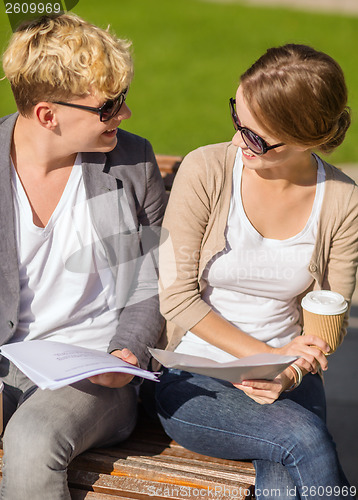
column 266, row 391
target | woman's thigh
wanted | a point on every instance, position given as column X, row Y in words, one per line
column 212, row 417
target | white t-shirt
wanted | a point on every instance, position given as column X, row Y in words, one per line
column 254, row 282
column 57, row 303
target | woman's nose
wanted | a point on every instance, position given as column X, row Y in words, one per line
column 237, row 140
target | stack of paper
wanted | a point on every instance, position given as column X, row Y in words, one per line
column 51, row 365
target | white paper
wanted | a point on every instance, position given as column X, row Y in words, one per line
column 51, row 365
column 257, row 367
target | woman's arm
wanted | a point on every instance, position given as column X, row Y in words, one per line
column 219, row 332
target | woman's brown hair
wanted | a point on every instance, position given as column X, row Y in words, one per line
column 299, row 96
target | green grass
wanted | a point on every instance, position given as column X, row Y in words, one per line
column 189, row 55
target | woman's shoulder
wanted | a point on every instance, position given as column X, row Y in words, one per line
column 341, row 190
column 336, row 174
column 213, row 158
column 218, row 150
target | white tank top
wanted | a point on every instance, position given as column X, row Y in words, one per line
column 254, row 282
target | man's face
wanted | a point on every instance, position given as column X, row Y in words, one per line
column 83, row 129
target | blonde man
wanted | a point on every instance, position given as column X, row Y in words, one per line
column 76, row 193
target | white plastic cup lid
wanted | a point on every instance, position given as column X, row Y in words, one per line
column 324, row 302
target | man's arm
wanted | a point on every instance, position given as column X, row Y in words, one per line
column 140, row 323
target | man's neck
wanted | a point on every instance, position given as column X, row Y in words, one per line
column 32, row 148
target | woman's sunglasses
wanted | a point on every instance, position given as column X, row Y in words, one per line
column 253, row 141
column 107, row 111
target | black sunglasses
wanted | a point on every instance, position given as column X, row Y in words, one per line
column 107, row 111
column 253, row 141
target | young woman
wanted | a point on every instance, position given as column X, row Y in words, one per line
column 263, row 219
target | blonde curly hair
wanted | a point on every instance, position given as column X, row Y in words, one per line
column 61, row 57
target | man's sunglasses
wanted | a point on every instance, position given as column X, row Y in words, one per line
column 107, row 111
column 253, row 141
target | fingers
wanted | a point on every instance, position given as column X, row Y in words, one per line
column 116, row 380
column 126, row 355
column 111, row 380
column 312, row 351
column 314, row 340
column 261, row 391
column 313, row 358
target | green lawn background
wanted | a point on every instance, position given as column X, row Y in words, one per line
column 189, row 55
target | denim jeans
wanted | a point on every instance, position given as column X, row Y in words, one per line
column 288, row 441
column 46, row 429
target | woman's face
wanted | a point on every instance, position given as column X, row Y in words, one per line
column 274, row 157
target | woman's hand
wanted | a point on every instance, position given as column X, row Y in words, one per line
column 267, row 391
column 311, row 350
column 113, row 379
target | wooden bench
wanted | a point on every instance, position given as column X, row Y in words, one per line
column 149, row 464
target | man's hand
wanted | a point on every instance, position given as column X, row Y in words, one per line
column 116, row 380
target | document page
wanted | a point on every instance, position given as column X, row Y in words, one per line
column 259, row 366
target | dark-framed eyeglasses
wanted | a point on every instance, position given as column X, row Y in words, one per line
column 253, row 141
column 107, row 111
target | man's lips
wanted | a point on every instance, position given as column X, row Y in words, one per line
column 111, row 132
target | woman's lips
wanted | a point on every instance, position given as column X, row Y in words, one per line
column 248, row 155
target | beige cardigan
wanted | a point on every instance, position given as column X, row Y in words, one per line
column 196, row 219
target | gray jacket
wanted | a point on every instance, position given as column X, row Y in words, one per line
column 127, row 197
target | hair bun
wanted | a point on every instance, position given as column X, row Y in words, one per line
column 337, row 137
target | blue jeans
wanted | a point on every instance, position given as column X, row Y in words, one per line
column 288, row 441
column 46, row 429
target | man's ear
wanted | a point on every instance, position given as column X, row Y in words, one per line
column 45, row 114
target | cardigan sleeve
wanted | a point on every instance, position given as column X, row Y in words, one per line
column 340, row 269
column 184, row 227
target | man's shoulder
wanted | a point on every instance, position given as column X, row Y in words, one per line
column 131, row 156
column 8, row 120
column 130, row 149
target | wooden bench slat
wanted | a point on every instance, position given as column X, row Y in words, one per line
column 91, row 495
column 158, row 487
column 173, row 450
column 154, row 467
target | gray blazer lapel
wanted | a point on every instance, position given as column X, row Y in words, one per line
column 8, row 252
column 114, row 222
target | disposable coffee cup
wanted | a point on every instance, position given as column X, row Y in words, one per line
column 323, row 314
column 1, row 407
